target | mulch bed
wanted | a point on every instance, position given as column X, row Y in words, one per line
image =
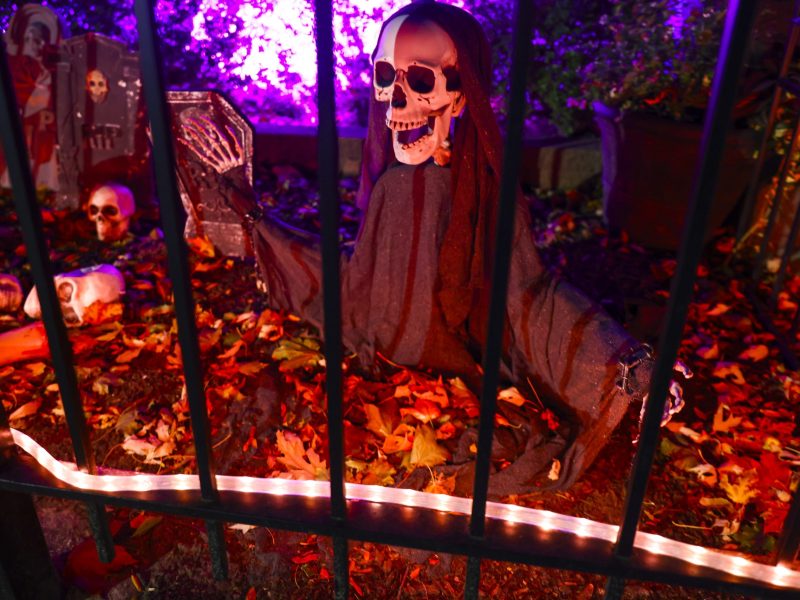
column 723, row 477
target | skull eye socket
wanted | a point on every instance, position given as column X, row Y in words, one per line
column 110, row 211
column 452, row 78
column 421, row 79
column 384, row 74
column 93, row 210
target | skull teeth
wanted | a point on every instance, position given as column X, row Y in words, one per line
column 405, row 125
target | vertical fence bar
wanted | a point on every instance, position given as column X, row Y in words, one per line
column 509, row 187
column 30, row 220
column 331, row 293
column 752, row 189
column 177, row 257
column 25, row 567
column 738, row 23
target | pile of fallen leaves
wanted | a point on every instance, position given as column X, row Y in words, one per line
column 727, row 465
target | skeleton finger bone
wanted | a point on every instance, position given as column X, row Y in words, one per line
column 210, row 145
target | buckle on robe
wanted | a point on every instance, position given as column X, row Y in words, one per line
column 628, row 363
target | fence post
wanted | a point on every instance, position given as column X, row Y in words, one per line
column 25, row 567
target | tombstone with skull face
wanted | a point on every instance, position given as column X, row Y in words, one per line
column 97, row 86
column 111, row 207
column 100, row 117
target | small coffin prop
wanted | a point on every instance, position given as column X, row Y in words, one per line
column 215, row 155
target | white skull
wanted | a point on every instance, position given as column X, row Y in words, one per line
column 97, row 86
column 415, row 72
column 111, row 207
column 77, row 290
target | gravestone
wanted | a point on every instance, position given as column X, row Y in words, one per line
column 32, row 40
column 100, row 117
column 214, row 153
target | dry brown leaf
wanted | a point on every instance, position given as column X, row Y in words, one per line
column 512, row 396
column 377, row 422
column 129, row 355
column 730, row 371
column 423, row 410
column 755, row 353
column 302, row 463
column 742, row 491
column 441, row 484
column 251, row 368
column 26, row 410
column 718, row 309
column 708, row 352
column 396, row 443
column 425, row 452
column 724, row 419
column 201, row 246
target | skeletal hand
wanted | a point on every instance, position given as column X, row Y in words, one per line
column 675, row 401
column 211, row 145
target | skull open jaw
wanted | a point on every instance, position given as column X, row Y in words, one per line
column 415, row 71
column 416, row 142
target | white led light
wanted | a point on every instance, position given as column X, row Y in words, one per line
column 545, row 520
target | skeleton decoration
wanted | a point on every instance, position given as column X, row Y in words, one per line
column 100, row 118
column 415, row 72
column 111, row 207
column 32, row 39
column 78, row 290
column 215, row 155
column 10, row 293
column 97, row 86
column 416, row 287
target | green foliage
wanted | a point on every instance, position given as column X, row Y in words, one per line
column 629, row 55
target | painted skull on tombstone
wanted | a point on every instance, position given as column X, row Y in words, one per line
column 415, row 71
column 97, row 85
column 110, row 208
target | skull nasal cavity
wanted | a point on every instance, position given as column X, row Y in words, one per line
column 398, row 98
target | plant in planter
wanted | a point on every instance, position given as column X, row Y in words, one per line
column 646, row 70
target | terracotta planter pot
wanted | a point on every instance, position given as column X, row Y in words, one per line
column 649, row 165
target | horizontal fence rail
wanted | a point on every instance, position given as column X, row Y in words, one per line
column 476, row 528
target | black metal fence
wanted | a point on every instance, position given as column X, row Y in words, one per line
column 474, row 534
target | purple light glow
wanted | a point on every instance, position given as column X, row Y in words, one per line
column 274, row 49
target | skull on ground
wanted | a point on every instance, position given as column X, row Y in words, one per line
column 415, row 71
column 111, row 207
column 78, row 290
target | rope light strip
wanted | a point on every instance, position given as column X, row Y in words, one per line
column 509, row 513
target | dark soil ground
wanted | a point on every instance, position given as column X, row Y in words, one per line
column 263, row 376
